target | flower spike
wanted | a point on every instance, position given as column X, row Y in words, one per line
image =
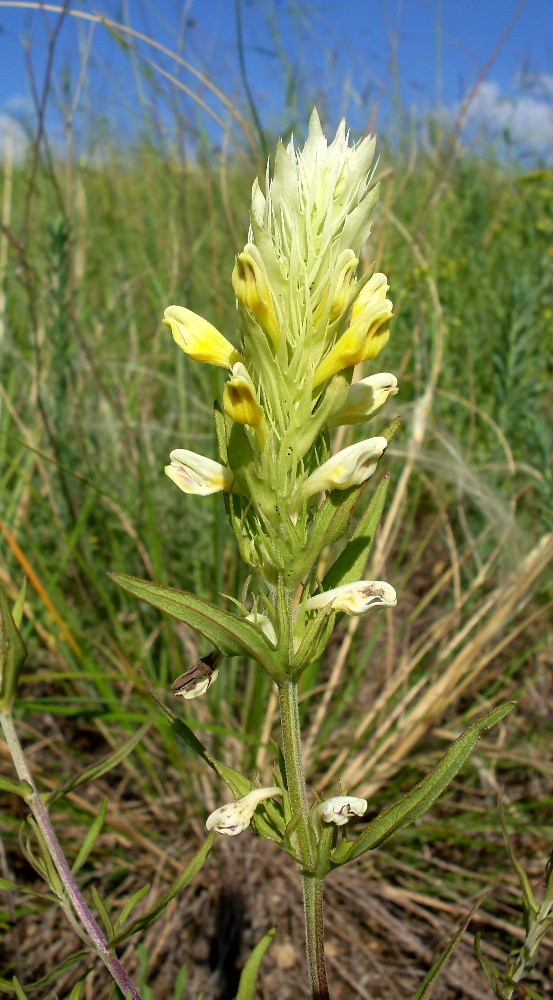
column 198, row 338
column 198, row 475
column 235, row 817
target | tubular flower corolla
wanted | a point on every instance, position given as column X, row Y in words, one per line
column 236, row 816
column 367, row 333
column 249, row 280
column 364, row 398
column 240, row 401
column 198, row 338
column 350, row 467
column 196, row 474
column 354, row 598
column 341, row 808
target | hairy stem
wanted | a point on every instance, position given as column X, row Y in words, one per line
column 36, row 805
column 312, row 886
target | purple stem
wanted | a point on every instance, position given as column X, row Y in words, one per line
column 35, row 803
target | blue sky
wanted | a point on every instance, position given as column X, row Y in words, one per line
column 372, row 60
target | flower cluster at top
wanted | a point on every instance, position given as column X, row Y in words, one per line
column 306, row 317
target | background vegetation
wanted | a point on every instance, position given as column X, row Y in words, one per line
column 93, row 396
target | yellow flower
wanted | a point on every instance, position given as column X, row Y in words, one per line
column 249, row 280
column 367, row 333
column 195, row 474
column 350, row 467
column 198, row 338
column 364, row 398
column 240, row 401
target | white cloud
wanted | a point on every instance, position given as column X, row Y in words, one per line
column 12, row 137
column 526, row 118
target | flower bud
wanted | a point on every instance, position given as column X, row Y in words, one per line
column 367, row 333
column 198, row 338
column 354, row 598
column 196, row 474
column 240, row 401
column 249, row 280
column 236, row 816
column 350, row 467
column 341, row 808
column 345, row 267
column 265, row 624
column 364, row 398
column 199, row 678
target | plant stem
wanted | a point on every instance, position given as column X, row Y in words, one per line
column 312, row 886
column 35, row 803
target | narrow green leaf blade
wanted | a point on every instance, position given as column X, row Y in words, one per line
column 12, row 654
column 101, row 767
column 430, row 978
column 350, row 565
column 180, row 883
column 228, row 633
column 21, row 788
column 416, row 802
column 248, row 979
column 91, row 837
column 490, row 971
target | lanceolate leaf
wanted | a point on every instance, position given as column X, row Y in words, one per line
column 248, row 979
column 430, row 978
column 330, row 524
column 102, row 766
column 350, row 565
column 230, row 634
column 416, row 802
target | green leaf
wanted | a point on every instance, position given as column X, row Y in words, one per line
column 529, row 902
column 350, row 565
column 91, row 837
column 6, row 885
column 17, row 989
column 329, row 525
column 428, row 981
column 416, row 802
column 12, row 655
column 392, row 428
column 104, row 915
column 248, row 979
column 130, row 905
column 58, row 970
column 21, row 788
column 490, row 971
column 230, row 634
column 101, row 767
column 238, row 784
column 180, row 883
column 17, row 613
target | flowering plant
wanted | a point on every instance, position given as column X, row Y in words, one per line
column 306, row 318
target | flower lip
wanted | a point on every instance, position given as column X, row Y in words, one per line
column 234, row 817
column 341, row 808
column 198, row 475
column 349, row 467
column 354, row 598
column 364, row 398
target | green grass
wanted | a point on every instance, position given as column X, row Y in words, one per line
column 95, row 395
